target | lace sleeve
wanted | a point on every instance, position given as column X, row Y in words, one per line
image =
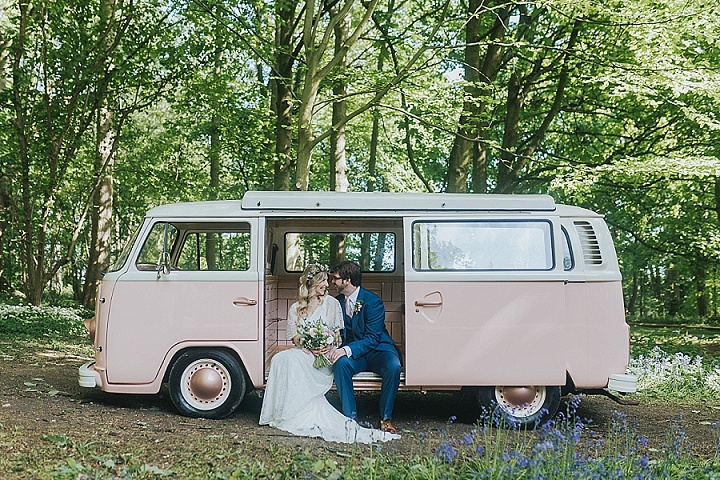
column 292, row 321
column 334, row 313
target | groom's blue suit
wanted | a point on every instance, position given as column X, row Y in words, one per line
column 372, row 350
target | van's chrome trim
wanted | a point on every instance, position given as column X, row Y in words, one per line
column 623, row 382
column 395, row 201
column 87, row 376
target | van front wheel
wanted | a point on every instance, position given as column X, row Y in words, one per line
column 524, row 407
column 206, row 383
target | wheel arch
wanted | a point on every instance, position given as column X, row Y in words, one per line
column 181, row 349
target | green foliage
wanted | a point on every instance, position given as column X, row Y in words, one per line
column 673, row 363
column 691, row 341
column 50, row 322
column 562, row 449
column 635, row 138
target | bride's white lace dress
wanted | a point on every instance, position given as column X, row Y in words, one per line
column 294, row 399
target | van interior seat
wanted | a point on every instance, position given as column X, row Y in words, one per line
column 281, row 292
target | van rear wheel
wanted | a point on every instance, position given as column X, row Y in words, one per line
column 524, row 407
column 206, row 383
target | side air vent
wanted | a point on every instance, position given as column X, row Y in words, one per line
column 589, row 242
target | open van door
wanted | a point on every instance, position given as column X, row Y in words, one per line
column 484, row 304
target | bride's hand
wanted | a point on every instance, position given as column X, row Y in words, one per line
column 322, row 350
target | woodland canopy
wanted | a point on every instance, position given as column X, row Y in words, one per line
column 110, row 107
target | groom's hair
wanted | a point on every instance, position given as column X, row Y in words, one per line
column 351, row 270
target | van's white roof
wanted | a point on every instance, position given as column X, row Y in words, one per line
column 379, row 203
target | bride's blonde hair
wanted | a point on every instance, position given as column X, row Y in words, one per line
column 313, row 274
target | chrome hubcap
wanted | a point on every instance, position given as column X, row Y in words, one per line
column 205, row 384
column 521, row 401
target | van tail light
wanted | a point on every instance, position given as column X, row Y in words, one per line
column 90, row 325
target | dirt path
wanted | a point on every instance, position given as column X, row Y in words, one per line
column 39, row 396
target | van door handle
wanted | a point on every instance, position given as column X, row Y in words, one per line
column 419, row 303
column 244, row 302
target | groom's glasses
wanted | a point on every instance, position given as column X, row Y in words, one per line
column 336, row 277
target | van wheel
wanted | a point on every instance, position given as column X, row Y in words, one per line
column 520, row 407
column 207, row 383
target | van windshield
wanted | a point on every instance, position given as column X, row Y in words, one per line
column 125, row 252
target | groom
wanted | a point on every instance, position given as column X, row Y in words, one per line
column 367, row 346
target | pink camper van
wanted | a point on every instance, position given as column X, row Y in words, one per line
column 513, row 298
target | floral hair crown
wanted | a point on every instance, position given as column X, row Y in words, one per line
column 314, row 269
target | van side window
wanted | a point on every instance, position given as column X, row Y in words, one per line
column 209, row 250
column 483, row 245
column 152, row 250
column 568, row 260
column 373, row 251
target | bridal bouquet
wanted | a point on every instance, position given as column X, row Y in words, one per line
column 316, row 335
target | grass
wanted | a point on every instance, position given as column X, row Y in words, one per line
column 676, row 363
column 672, row 362
column 562, row 449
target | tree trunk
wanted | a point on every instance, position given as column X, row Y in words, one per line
column 315, row 49
column 102, row 200
column 102, row 207
column 215, row 141
column 700, row 287
column 674, row 290
column 4, row 209
column 338, row 161
column 717, row 198
column 633, row 293
column 285, row 21
column 460, row 160
column 469, row 151
column 31, row 266
column 513, row 159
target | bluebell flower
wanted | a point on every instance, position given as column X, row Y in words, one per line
column 446, row 452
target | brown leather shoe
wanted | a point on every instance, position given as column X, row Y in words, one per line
column 387, row 426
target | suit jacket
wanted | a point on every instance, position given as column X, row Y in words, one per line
column 367, row 327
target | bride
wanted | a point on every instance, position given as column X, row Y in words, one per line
column 294, row 398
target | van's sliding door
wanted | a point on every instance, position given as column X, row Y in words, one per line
column 484, row 302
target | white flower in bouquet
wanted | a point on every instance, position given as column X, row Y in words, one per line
column 316, row 335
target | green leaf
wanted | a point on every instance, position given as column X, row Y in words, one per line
column 59, row 440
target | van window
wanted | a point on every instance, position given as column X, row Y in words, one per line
column 152, row 250
column 568, row 261
column 483, row 245
column 373, row 251
column 227, row 250
column 201, row 247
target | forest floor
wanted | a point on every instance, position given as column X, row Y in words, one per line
column 40, row 398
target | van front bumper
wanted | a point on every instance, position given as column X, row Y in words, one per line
column 623, row 382
column 87, row 375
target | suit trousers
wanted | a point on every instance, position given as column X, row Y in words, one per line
column 384, row 363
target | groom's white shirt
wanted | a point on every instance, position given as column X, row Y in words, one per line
column 350, row 302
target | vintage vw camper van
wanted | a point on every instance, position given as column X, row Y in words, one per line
column 513, row 298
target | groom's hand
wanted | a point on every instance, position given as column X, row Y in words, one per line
column 336, row 354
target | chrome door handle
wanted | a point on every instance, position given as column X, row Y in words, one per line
column 244, row 302
column 419, row 303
